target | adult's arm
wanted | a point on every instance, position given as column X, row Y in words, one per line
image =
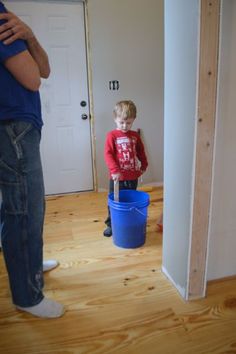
column 25, row 70
column 14, row 29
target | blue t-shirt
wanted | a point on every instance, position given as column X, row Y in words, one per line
column 16, row 102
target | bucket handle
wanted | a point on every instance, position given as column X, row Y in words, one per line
column 138, row 211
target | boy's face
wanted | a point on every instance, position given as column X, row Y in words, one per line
column 124, row 124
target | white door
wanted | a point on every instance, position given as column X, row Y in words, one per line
column 66, row 136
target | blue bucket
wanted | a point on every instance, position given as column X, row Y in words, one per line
column 129, row 218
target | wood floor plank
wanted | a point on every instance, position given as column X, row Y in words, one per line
column 118, row 301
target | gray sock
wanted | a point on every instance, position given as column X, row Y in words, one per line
column 46, row 308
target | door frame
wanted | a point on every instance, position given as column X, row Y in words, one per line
column 204, row 148
column 90, row 93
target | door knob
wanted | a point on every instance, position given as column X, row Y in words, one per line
column 83, row 103
column 84, row 116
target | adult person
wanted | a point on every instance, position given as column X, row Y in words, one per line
column 23, row 62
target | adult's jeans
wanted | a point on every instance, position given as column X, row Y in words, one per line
column 22, row 210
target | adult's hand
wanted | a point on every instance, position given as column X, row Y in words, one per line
column 14, row 29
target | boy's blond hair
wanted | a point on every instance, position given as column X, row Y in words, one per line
column 125, row 109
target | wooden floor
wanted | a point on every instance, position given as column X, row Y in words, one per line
column 117, row 300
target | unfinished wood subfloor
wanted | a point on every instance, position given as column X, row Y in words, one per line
column 118, row 301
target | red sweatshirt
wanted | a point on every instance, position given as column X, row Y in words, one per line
column 125, row 154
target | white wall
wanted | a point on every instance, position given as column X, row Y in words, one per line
column 126, row 39
column 222, row 245
column 181, row 53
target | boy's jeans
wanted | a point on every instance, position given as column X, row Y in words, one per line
column 22, row 210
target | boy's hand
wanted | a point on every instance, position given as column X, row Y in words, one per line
column 13, row 29
column 115, row 176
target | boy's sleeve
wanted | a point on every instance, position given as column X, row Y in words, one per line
column 110, row 155
column 141, row 154
column 7, row 51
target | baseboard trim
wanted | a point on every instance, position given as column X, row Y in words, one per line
column 221, row 280
column 152, row 184
column 182, row 291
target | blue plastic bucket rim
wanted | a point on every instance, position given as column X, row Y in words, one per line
column 128, row 192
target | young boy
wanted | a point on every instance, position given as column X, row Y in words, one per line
column 124, row 153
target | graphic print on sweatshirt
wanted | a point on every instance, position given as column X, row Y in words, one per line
column 126, row 148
